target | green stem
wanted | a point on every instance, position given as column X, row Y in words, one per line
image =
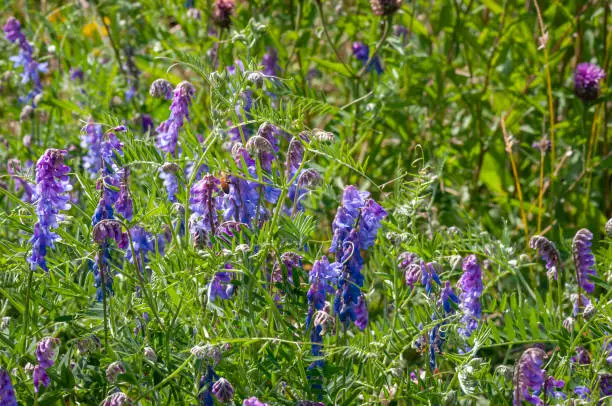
column 26, row 310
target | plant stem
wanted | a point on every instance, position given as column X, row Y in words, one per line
column 103, row 287
column 540, row 195
column 26, row 315
column 329, row 40
column 385, row 33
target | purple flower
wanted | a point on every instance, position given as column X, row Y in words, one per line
column 578, row 305
column 45, row 351
column 7, row 393
column 253, row 401
column 429, row 274
column 117, row 399
column 322, row 277
column 447, row 297
column 548, row 252
column 168, row 131
column 270, row 63
column 346, row 217
column 161, row 88
column 529, row 377
column 361, row 313
column 12, row 29
column 77, row 74
column 581, row 357
column 223, row 390
column 205, row 395
column 371, row 216
column 222, row 13
column 124, row 204
column 51, row 192
column 410, row 263
column 102, row 149
column 362, row 52
column 582, row 392
column 143, row 242
column 550, row 388
column 168, row 173
column 291, row 261
column 114, row 370
column 605, row 385
column 40, row 377
column 584, row 259
column 586, row 81
column 221, row 286
column 471, row 287
column 203, row 202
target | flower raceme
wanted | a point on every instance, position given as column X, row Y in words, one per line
column 584, row 260
column 471, row 287
column 168, row 131
column 548, row 252
column 51, row 196
column 31, row 68
column 530, row 379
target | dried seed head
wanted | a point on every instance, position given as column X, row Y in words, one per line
column 149, row 354
column 589, row 311
column 256, row 78
column 608, row 228
column 222, row 13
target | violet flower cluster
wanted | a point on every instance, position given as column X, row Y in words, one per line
column 355, row 226
column 362, row 53
column 51, row 196
column 31, row 68
column 548, row 252
column 7, row 392
column 530, row 380
column 471, row 287
column 168, row 131
column 45, row 351
column 168, row 173
column 584, row 260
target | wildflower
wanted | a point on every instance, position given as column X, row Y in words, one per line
column 203, row 203
column 550, row 388
column 548, row 252
column 447, row 297
column 270, row 63
column 114, row 370
column 31, row 68
column 144, row 121
column 143, row 243
column 168, row 131
column 45, row 351
column 362, row 52
column 124, row 204
column 581, row 357
column 586, row 81
column 222, row 12
column 605, row 385
column 584, row 259
column 117, row 399
column 579, row 304
column 322, row 277
column 223, row 390
column 209, row 353
column 409, row 262
column 168, row 173
column 161, row 89
column 51, row 191
column 350, row 281
column 401, row 31
column 194, row 14
column 100, row 151
column 40, row 377
column 291, row 261
column 544, row 145
column 568, row 323
column 253, row 401
column 149, row 354
column 346, row 217
column 205, row 395
column 77, row 74
column 471, row 287
column 583, row 392
column 221, row 286
column 385, row 7
column 429, row 275
column 530, row 379
column 7, row 393
column 371, row 216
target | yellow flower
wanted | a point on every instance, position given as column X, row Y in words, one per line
column 91, row 28
column 56, row 16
